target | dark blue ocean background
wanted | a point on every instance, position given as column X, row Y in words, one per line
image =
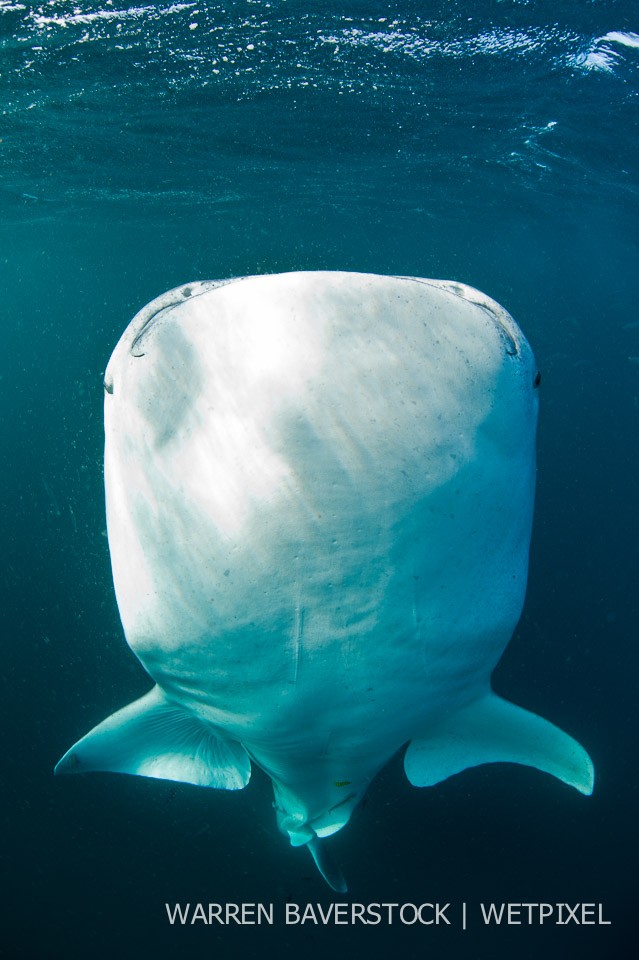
column 490, row 142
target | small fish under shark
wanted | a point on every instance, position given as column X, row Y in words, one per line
column 319, row 497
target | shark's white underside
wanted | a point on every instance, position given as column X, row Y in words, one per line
column 319, row 499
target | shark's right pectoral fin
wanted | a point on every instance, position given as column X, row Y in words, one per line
column 153, row 737
column 492, row 730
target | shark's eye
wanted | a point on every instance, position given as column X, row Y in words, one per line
column 537, row 380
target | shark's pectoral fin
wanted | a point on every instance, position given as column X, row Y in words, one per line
column 492, row 730
column 327, row 866
column 153, row 737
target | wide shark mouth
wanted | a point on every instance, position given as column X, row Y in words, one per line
column 148, row 319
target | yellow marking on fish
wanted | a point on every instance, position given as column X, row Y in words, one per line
column 341, row 783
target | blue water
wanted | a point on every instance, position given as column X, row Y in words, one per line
column 494, row 143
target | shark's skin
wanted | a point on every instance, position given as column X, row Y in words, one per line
column 319, row 493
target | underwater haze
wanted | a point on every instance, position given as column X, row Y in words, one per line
column 494, row 143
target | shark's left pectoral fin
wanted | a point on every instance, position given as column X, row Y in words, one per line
column 153, row 737
column 492, row 730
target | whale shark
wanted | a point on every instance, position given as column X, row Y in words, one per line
column 319, row 499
